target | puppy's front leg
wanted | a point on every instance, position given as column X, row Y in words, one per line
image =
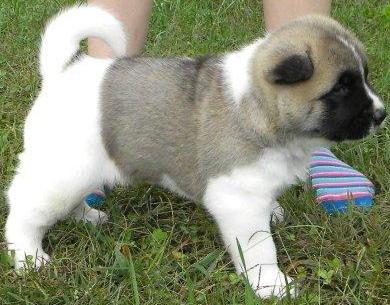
column 244, row 216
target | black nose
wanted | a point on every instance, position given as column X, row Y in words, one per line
column 379, row 116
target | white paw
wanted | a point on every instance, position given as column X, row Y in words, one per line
column 24, row 260
column 277, row 213
column 84, row 213
column 94, row 217
column 270, row 282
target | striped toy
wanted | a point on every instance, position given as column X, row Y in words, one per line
column 337, row 184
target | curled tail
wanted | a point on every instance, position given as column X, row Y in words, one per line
column 65, row 31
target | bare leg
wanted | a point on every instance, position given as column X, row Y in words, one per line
column 279, row 12
column 134, row 14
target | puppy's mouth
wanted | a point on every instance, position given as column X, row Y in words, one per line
column 359, row 127
column 379, row 120
column 347, row 134
column 374, row 127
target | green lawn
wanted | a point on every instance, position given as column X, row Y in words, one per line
column 159, row 249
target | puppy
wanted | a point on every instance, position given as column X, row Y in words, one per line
column 231, row 131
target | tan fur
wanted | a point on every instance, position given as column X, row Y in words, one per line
column 319, row 38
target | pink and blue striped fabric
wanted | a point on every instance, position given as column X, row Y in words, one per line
column 337, row 184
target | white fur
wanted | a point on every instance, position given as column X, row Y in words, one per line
column 354, row 52
column 377, row 103
column 64, row 157
column 277, row 213
column 242, row 202
column 63, row 34
column 236, row 71
column 377, row 106
column 171, row 185
column 83, row 212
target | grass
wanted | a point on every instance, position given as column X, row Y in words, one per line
column 160, row 249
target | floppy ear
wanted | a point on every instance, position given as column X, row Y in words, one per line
column 292, row 69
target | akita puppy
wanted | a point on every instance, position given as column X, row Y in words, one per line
column 231, row 131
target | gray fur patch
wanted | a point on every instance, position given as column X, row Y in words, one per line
column 169, row 116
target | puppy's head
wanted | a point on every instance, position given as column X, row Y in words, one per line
column 312, row 74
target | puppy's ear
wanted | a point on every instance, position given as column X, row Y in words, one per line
column 291, row 69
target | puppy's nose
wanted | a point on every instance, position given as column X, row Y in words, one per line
column 379, row 116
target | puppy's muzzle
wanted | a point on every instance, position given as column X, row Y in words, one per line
column 379, row 117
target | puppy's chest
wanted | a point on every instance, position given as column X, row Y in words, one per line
column 275, row 169
column 284, row 165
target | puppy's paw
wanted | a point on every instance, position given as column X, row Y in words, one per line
column 87, row 214
column 282, row 289
column 94, row 217
column 29, row 261
column 277, row 213
column 272, row 282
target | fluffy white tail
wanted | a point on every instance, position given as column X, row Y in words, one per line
column 65, row 31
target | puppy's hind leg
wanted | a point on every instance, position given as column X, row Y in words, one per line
column 24, row 232
column 47, row 189
column 41, row 194
column 32, row 210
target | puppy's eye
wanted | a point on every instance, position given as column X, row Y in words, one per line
column 344, row 83
column 346, row 80
column 340, row 88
